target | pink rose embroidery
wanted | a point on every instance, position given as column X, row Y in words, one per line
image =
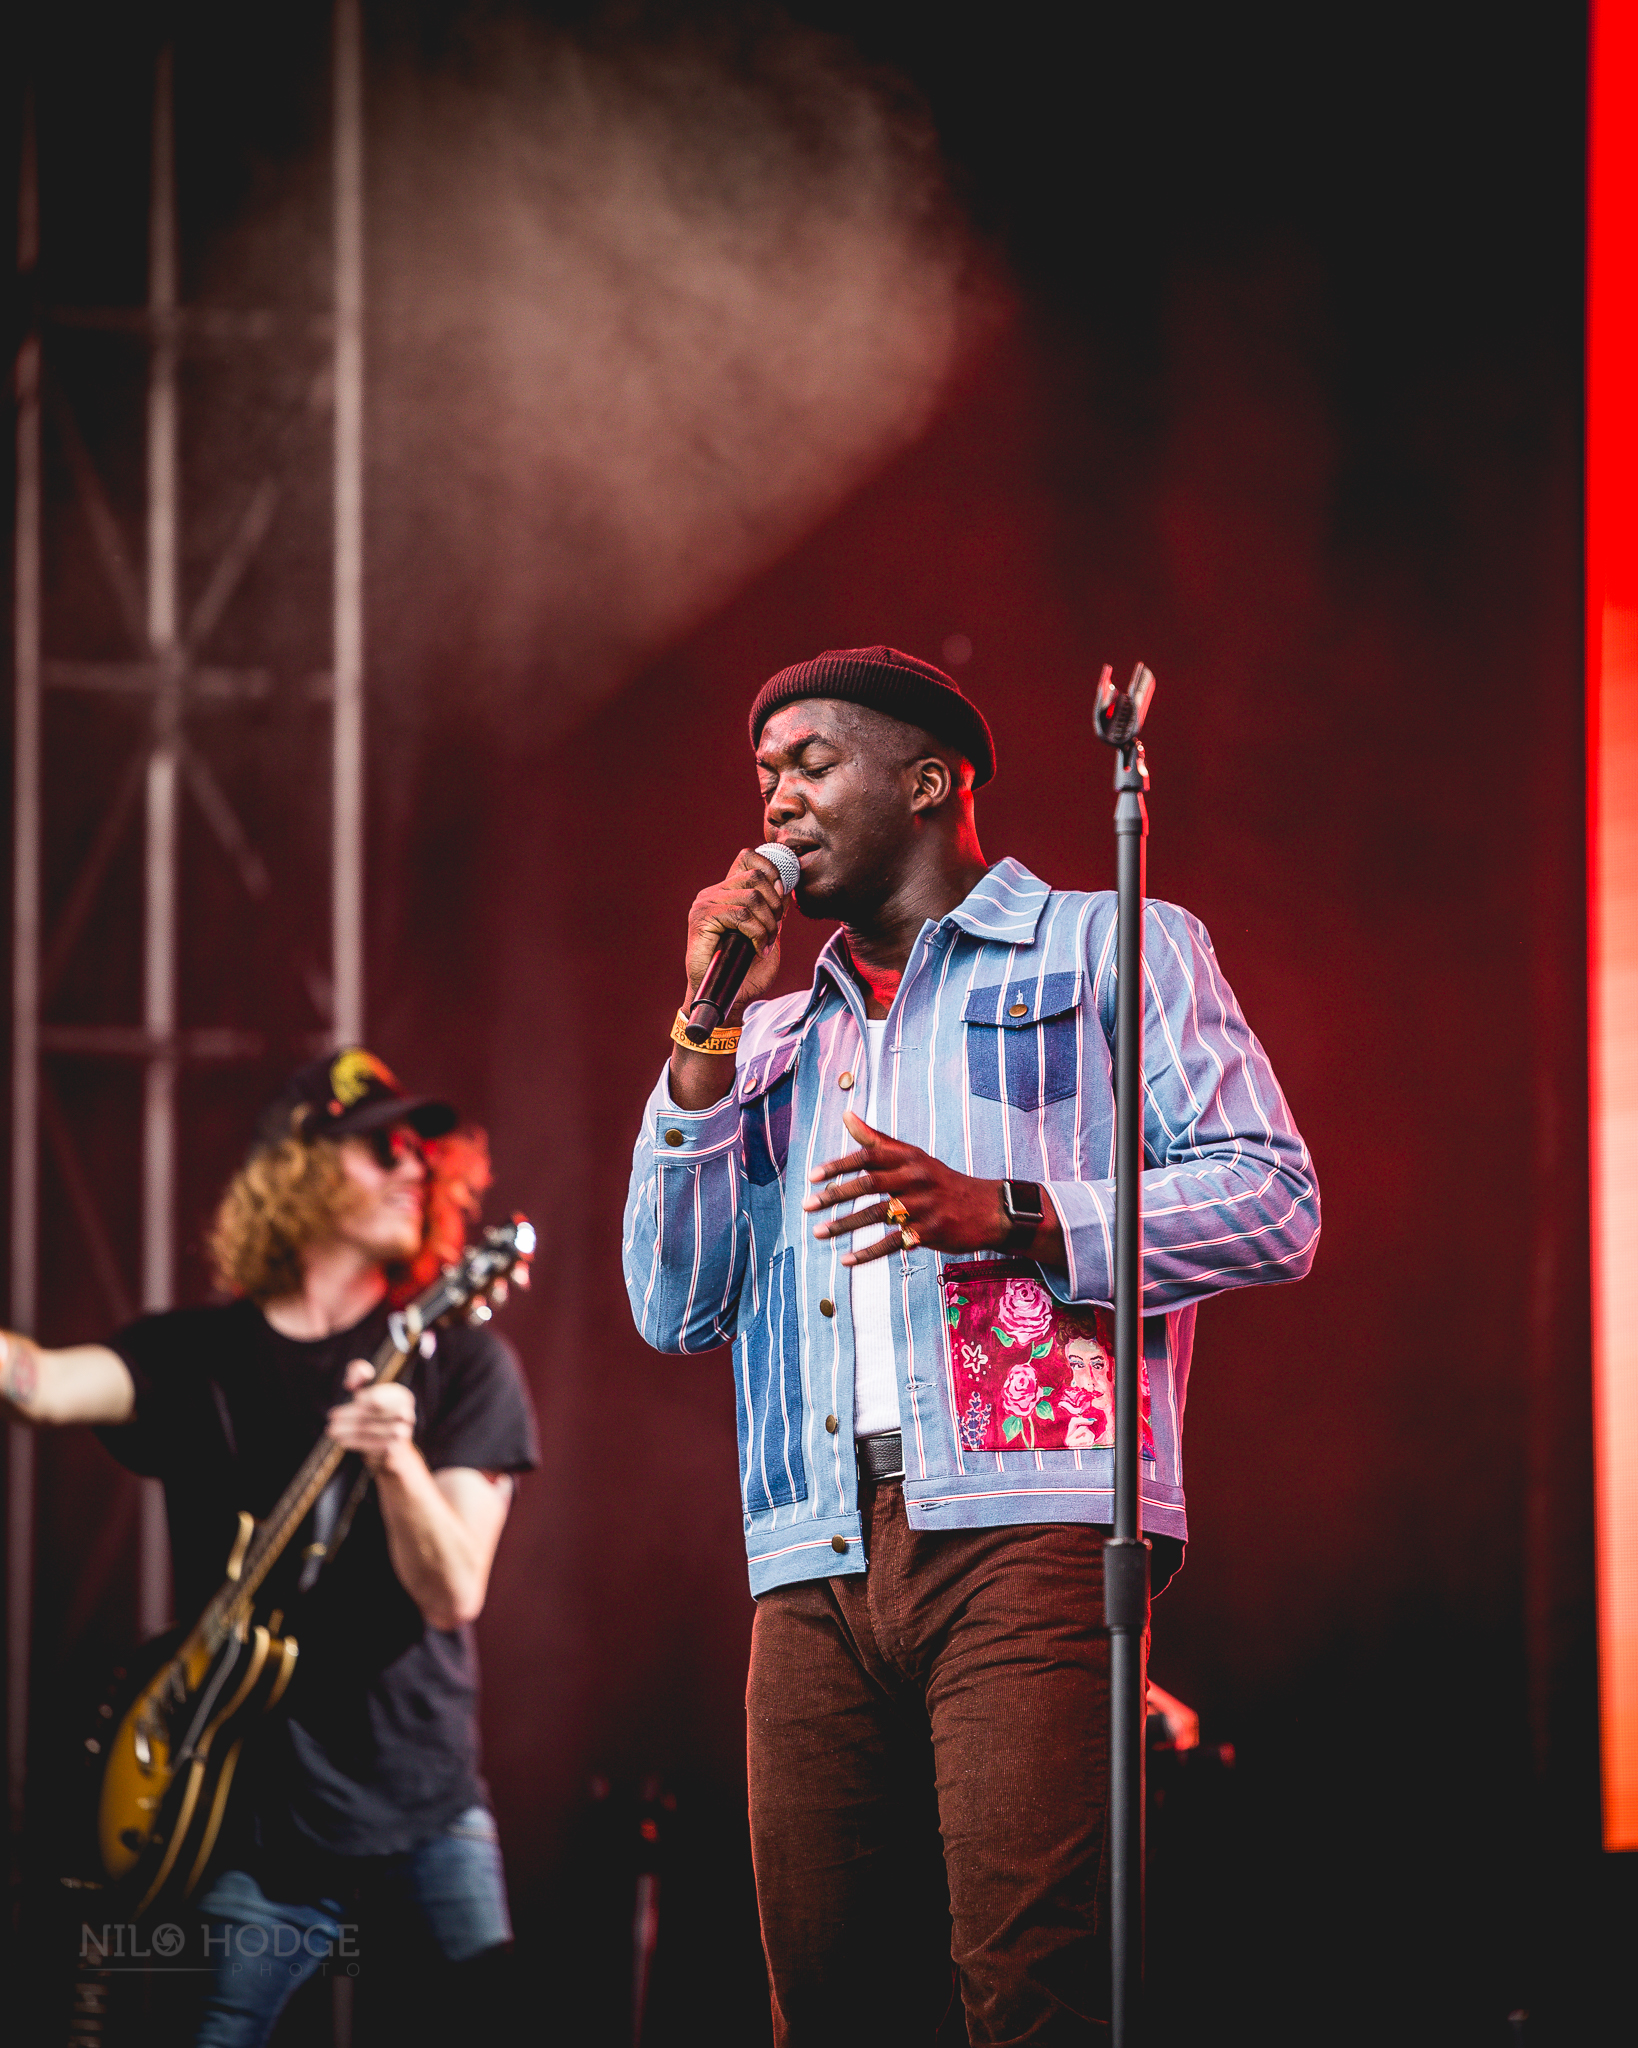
column 1023, row 1398
column 1025, row 1316
column 1020, row 1390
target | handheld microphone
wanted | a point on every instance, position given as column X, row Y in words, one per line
column 731, row 962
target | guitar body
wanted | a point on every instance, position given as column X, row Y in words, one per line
column 169, row 1764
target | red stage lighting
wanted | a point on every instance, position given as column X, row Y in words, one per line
column 1612, row 808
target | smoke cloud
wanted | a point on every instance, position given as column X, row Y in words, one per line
column 641, row 317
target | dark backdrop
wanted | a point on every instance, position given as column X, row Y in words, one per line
column 1276, row 384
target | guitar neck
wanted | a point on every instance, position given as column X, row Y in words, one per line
column 501, row 1252
column 233, row 1602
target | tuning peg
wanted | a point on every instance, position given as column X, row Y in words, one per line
column 479, row 1312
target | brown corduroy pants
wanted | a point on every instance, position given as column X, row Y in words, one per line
column 958, row 1689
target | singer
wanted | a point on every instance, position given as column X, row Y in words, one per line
column 893, row 1194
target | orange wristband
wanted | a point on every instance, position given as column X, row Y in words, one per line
column 725, row 1039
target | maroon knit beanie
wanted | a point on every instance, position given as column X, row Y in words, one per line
column 898, row 684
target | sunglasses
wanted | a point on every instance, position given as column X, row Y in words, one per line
column 393, row 1143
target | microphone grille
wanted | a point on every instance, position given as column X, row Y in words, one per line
column 790, row 868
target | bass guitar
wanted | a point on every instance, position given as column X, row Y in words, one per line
column 167, row 1770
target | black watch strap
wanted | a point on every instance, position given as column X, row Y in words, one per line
column 1024, row 1206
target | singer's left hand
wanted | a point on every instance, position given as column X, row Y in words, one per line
column 948, row 1211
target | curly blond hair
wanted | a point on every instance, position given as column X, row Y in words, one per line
column 281, row 1200
column 292, row 1194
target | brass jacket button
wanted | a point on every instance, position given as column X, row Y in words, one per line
column 1019, row 1010
column 832, row 1424
column 844, row 1080
column 838, row 1543
column 827, row 1307
column 673, row 1137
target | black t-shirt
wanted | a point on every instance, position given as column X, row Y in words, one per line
column 375, row 1747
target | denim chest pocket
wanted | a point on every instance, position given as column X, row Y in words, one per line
column 764, row 1088
column 1023, row 1039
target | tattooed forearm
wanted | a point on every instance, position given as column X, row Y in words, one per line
column 19, row 1370
column 84, row 1383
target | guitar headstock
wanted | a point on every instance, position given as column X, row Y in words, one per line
column 474, row 1286
column 503, row 1253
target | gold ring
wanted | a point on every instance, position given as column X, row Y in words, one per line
column 896, row 1211
column 909, row 1238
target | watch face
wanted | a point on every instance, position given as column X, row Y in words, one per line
column 1022, row 1201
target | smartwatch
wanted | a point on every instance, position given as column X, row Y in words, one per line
column 1022, row 1204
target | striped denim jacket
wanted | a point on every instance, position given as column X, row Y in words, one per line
column 996, row 1060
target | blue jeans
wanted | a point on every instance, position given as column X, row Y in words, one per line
column 265, row 1949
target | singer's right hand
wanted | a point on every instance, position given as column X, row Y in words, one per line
column 748, row 899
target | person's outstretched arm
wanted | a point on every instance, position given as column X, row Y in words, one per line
column 83, row 1383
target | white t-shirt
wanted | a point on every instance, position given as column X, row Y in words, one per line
column 875, row 1375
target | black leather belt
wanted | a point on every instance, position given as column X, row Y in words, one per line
column 881, row 1457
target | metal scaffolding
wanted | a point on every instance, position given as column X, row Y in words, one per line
column 169, row 666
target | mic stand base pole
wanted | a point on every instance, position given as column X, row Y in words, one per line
column 1126, row 1610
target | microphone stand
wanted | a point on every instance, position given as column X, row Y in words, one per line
column 1117, row 718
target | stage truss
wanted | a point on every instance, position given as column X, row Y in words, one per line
column 169, row 669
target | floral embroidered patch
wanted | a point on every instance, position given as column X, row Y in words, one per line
column 1031, row 1374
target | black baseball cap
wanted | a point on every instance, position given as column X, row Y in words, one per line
column 345, row 1094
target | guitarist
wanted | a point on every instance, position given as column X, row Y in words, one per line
column 365, row 1785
